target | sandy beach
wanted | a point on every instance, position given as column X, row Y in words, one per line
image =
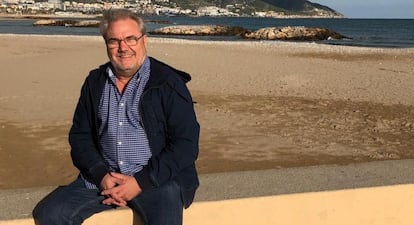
column 260, row 105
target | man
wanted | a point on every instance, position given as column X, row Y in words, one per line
column 134, row 136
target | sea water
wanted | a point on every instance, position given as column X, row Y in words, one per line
column 395, row 33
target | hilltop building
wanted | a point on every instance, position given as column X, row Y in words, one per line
column 56, row 4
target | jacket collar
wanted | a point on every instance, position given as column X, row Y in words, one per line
column 160, row 71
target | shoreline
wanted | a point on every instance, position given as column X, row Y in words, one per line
column 44, row 16
column 81, row 15
column 302, row 44
column 173, row 39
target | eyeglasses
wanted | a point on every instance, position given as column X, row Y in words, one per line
column 130, row 41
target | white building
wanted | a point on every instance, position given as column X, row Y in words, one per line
column 57, row 4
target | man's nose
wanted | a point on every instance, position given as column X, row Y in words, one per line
column 123, row 45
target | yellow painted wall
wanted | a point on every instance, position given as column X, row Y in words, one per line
column 390, row 205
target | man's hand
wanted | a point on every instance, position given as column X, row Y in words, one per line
column 125, row 189
column 108, row 182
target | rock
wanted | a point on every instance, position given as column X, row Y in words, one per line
column 86, row 23
column 67, row 23
column 200, row 30
column 292, row 33
column 44, row 22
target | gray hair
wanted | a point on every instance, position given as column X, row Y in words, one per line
column 112, row 15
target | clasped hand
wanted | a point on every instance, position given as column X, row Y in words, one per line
column 119, row 188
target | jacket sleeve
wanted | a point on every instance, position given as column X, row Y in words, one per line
column 177, row 128
column 83, row 140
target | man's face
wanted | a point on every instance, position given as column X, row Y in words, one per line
column 125, row 57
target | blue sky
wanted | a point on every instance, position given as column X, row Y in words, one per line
column 371, row 8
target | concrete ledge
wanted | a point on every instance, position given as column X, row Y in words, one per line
column 111, row 217
column 390, row 205
column 365, row 193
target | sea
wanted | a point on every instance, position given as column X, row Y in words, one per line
column 383, row 33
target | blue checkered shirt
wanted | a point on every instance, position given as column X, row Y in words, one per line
column 123, row 140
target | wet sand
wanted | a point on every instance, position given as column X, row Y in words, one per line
column 261, row 105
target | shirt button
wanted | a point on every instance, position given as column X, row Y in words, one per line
column 120, row 123
column 122, row 104
column 119, row 142
column 121, row 162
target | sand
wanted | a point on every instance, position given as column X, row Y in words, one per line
column 261, row 105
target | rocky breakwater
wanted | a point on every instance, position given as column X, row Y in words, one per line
column 296, row 33
column 293, row 33
column 200, row 30
column 67, row 23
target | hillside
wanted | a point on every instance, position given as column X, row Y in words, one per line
column 247, row 7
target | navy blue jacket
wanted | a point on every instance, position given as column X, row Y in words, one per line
column 168, row 119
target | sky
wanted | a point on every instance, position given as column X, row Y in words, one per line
column 403, row 9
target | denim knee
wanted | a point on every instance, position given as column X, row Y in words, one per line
column 44, row 214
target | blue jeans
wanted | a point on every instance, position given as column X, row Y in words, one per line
column 72, row 204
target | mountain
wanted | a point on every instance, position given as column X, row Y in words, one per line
column 247, row 7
